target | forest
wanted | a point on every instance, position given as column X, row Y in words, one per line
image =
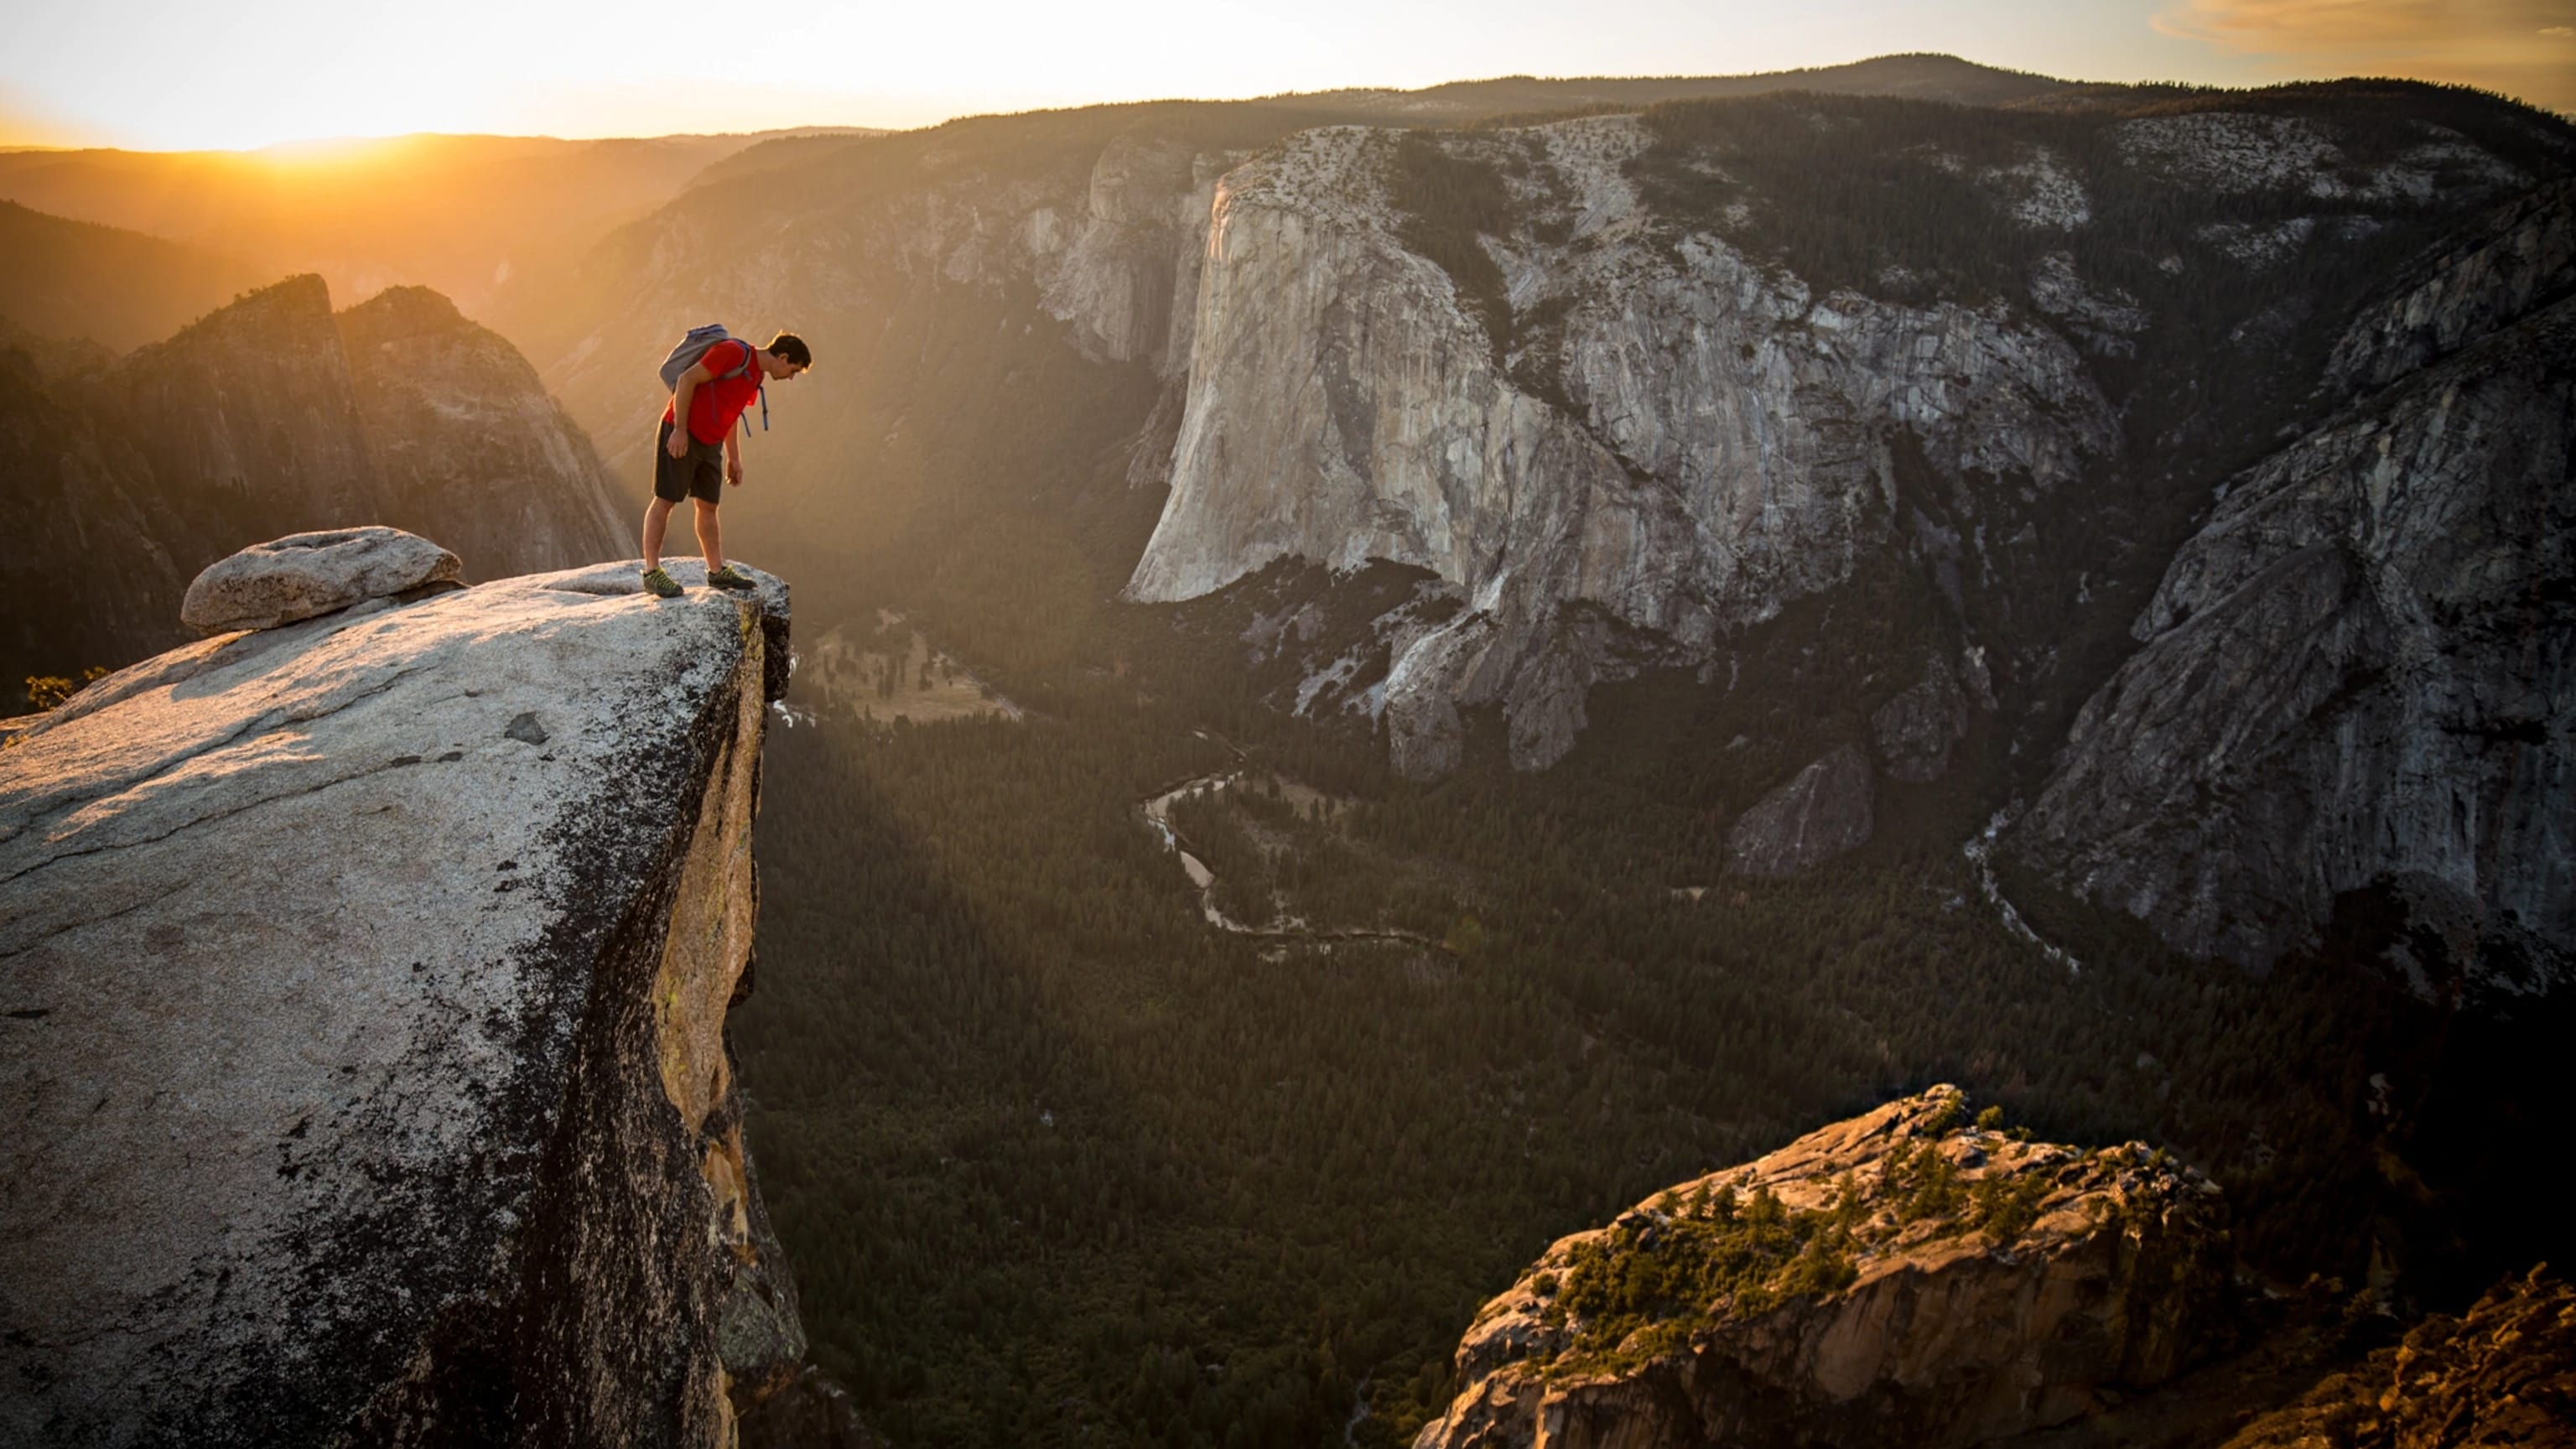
column 1057, row 1163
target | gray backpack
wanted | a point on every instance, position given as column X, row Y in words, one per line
column 694, row 344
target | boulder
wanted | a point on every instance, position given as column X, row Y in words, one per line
column 363, row 987
column 307, row 575
column 1898, row 1278
column 1824, row 810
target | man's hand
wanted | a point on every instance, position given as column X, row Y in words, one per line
column 733, row 470
column 683, row 397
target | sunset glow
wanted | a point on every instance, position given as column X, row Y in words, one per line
column 165, row 76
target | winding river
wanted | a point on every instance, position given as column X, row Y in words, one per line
column 1157, row 811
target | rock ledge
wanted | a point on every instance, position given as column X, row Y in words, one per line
column 363, row 986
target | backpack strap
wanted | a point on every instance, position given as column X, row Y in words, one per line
column 751, row 357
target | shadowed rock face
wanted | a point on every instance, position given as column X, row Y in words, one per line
column 2504, row 1373
column 1914, row 731
column 273, row 417
column 1974, row 1287
column 365, row 983
column 100, row 564
column 248, row 420
column 473, row 451
column 2361, row 672
column 1824, row 810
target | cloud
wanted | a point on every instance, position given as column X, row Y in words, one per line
column 2525, row 48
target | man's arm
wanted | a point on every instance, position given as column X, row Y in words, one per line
column 733, row 456
column 680, row 399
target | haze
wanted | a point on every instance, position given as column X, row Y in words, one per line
column 158, row 75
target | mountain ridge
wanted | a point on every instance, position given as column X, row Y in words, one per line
column 274, row 415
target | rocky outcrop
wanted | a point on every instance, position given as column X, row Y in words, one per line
column 2504, row 1373
column 1898, row 1278
column 2358, row 674
column 1124, row 268
column 365, row 986
column 1821, row 812
column 471, row 448
column 307, row 575
column 2519, row 261
column 1718, row 446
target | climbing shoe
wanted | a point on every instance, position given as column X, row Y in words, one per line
column 659, row 583
column 730, row 577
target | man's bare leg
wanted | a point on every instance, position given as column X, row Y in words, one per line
column 657, row 518
column 710, row 535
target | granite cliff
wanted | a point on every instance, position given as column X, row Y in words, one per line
column 2356, row 676
column 365, row 990
column 273, row 416
column 1899, row 1278
column 1711, row 441
column 1589, row 376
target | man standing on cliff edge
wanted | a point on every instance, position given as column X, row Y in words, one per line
column 711, row 394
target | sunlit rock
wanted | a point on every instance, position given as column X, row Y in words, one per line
column 305, row 575
column 365, row 982
column 1899, row 1278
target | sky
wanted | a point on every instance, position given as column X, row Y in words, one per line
column 182, row 74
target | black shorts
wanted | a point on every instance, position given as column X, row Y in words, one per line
column 700, row 475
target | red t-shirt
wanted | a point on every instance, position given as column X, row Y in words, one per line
column 720, row 399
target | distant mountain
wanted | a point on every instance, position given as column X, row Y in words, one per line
column 90, row 578
column 470, row 448
column 269, row 417
column 1868, row 421
column 73, row 279
column 1916, row 77
column 457, row 213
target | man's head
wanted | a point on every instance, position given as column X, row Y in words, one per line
column 787, row 356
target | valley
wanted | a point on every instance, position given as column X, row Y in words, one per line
column 1382, row 677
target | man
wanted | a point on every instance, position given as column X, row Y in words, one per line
column 711, row 395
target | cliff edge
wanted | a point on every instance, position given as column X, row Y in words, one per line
column 363, row 984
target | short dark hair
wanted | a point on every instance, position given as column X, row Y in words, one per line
column 791, row 347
